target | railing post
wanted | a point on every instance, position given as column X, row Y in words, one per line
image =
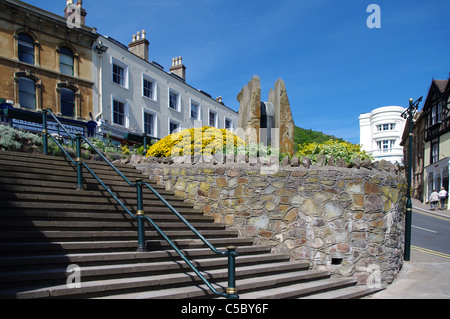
column 44, row 132
column 145, row 144
column 231, row 290
column 79, row 164
column 142, row 246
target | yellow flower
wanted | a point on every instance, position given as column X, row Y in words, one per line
column 201, row 141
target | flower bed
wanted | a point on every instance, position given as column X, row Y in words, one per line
column 196, row 141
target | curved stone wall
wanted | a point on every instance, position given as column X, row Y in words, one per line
column 347, row 220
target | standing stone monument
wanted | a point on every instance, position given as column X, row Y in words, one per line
column 250, row 110
column 267, row 122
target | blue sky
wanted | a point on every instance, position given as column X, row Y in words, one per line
column 334, row 66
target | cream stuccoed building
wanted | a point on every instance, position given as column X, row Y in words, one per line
column 381, row 133
column 135, row 95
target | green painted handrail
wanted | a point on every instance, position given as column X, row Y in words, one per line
column 108, row 162
column 203, row 239
column 231, row 252
column 49, row 111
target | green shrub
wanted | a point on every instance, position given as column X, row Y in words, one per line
column 12, row 139
column 336, row 149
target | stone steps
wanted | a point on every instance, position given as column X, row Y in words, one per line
column 80, row 199
column 173, row 285
column 110, row 271
column 69, row 235
column 12, row 187
column 52, row 248
column 297, row 290
column 39, row 215
column 353, row 292
column 24, row 225
column 246, row 283
column 101, row 258
column 46, row 225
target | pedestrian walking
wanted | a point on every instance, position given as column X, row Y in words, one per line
column 434, row 199
column 443, row 195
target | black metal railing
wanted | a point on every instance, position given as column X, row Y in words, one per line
column 231, row 253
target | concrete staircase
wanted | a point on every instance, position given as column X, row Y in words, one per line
column 46, row 225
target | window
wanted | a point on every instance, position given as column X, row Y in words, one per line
column 433, row 119
column 439, row 112
column 26, row 48
column 118, row 113
column 228, row 124
column 195, row 110
column 120, row 74
column 174, row 127
column 386, row 145
column 149, row 124
column 66, row 64
column 212, row 119
column 67, row 102
column 27, row 93
column 149, row 88
column 386, row 127
column 434, row 158
column 174, row 100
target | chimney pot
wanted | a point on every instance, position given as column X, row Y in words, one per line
column 80, row 5
column 178, row 68
column 139, row 45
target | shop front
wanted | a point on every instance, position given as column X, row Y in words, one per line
column 437, row 176
column 31, row 121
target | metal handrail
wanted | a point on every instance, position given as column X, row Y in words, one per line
column 62, row 149
column 231, row 252
column 203, row 239
column 60, row 124
column 108, row 162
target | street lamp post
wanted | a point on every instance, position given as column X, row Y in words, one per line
column 409, row 115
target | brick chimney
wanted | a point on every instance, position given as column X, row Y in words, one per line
column 139, row 45
column 83, row 12
column 178, row 68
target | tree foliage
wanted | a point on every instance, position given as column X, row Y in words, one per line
column 304, row 137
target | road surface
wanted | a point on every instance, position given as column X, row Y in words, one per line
column 431, row 234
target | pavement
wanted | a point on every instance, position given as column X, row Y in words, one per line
column 426, row 275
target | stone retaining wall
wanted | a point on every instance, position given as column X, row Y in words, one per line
column 347, row 220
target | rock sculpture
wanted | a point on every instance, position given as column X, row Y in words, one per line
column 267, row 122
column 250, row 110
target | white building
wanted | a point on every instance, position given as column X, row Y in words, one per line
column 381, row 133
column 135, row 95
